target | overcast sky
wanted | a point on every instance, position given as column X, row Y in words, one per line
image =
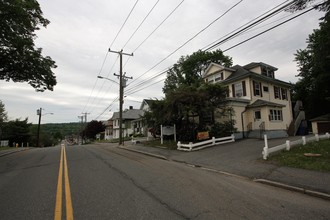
column 81, row 32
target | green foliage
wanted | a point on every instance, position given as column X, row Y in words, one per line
column 52, row 133
column 296, row 158
column 224, row 129
column 93, row 128
column 3, row 113
column 189, row 102
column 21, row 61
column 314, row 67
column 16, row 131
column 189, row 69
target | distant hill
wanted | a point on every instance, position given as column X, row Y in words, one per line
column 64, row 129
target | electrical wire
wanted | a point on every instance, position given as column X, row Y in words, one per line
column 161, row 23
column 141, row 24
column 190, row 39
column 122, row 26
column 242, row 28
column 269, row 29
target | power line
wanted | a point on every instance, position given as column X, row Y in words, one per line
column 124, row 23
column 257, row 35
column 122, row 26
column 262, row 19
column 105, row 58
column 141, row 23
column 161, row 23
column 190, row 39
column 277, row 11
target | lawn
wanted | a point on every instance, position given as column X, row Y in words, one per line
column 296, row 158
column 169, row 144
column 5, row 148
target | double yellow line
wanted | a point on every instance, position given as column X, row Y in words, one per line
column 59, row 192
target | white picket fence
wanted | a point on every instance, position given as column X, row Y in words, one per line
column 288, row 144
column 205, row 144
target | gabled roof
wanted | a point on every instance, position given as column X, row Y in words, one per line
column 242, row 73
column 217, row 65
column 146, row 101
column 255, row 64
column 263, row 103
column 129, row 114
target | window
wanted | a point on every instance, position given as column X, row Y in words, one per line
column 284, row 93
column 257, row 88
column 238, row 90
column 257, row 115
column 277, row 92
column 266, row 89
column 267, row 72
column 219, row 77
column 275, row 115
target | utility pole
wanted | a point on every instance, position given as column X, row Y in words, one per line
column 39, row 111
column 121, row 91
column 84, row 115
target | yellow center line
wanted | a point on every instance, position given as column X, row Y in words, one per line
column 59, row 192
column 69, row 211
column 58, row 204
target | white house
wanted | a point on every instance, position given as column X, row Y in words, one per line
column 128, row 116
column 261, row 103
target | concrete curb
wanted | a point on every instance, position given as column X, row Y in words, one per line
column 145, row 153
column 12, row 152
column 294, row 188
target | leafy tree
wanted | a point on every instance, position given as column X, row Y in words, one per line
column 190, row 108
column 21, row 61
column 16, row 131
column 314, row 68
column 189, row 69
column 3, row 113
column 93, row 128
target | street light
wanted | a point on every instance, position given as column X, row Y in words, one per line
column 121, row 93
column 39, row 112
column 102, row 77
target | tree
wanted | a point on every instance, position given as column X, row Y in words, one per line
column 21, row 61
column 93, row 128
column 3, row 113
column 189, row 69
column 189, row 102
column 16, row 131
column 314, row 68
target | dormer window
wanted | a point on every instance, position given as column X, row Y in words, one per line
column 267, row 72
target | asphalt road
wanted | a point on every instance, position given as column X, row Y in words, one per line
column 105, row 182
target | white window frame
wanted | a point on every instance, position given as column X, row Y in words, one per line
column 275, row 115
column 238, row 89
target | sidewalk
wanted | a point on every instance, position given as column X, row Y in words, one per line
column 244, row 158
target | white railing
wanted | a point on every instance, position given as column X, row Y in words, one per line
column 288, row 144
column 205, row 144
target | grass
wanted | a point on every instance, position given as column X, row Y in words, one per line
column 5, row 148
column 296, row 158
column 169, row 144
